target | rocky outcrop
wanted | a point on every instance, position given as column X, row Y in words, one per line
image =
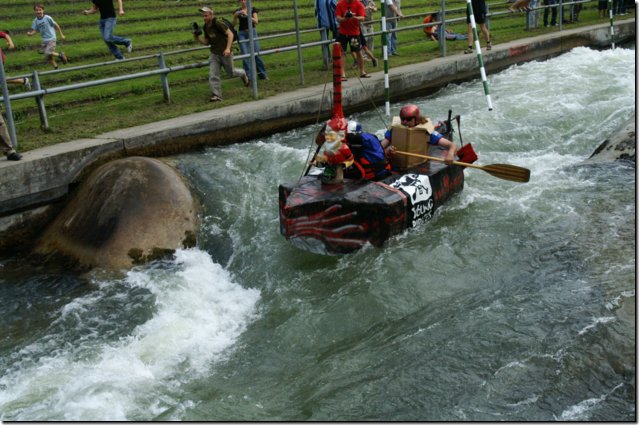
column 126, row 212
column 620, row 146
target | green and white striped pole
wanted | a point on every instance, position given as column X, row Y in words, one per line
column 476, row 42
column 613, row 42
column 385, row 59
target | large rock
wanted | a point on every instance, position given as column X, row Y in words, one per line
column 619, row 146
column 127, row 212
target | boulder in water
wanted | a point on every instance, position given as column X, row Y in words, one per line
column 127, row 212
column 620, row 146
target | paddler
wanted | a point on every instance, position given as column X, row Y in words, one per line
column 410, row 117
column 370, row 162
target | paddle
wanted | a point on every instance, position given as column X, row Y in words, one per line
column 502, row 171
column 313, row 158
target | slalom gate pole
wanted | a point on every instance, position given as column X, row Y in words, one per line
column 385, row 59
column 613, row 42
column 476, row 41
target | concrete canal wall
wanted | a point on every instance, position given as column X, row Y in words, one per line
column 35, row 189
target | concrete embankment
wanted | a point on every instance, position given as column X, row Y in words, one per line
column 35, row 189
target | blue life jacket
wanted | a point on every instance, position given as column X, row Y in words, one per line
column 369, row 155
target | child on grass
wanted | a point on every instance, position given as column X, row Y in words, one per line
column 46, row 26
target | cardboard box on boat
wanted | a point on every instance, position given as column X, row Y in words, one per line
column 414, row 140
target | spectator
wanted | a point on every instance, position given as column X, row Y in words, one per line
column 23, row 81
column 350, row 13
column 219, row 38
column 5, row 139
column 108, row 24
column 5, row 143
column 366, row 28
column 240, row 15
column 325, row 12
column 619, row 7
column 518, row 6
column 479, row 14
column 432, row 32
column 392, row 13
column 574, row 11
column 554, row 13
column 367, row 53
column 46, row 26
column 603, row 5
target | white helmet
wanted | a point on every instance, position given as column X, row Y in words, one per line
column 354, row 127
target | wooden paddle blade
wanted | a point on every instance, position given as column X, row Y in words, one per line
column 508, row 172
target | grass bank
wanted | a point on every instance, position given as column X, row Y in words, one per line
column 163, row 25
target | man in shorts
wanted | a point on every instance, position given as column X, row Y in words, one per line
column 350, row 13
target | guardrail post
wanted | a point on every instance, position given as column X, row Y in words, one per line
column 385, row 58
column 295, row 12
column 252, row 52
column 442, row 33
column 164, row 79
column 9, row 112
column 44, row 121
column 560, row 15
column 325, row 48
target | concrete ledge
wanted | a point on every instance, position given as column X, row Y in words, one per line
column 46, row 175
column 50, row 170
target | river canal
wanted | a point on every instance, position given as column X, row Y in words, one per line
column 516, row 302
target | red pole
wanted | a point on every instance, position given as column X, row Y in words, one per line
column 337, row 81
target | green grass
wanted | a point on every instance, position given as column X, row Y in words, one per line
column 163, row 25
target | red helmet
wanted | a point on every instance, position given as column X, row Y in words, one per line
column 409, row 111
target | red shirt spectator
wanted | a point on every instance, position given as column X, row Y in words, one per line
column 350, row 27
column 6, row 37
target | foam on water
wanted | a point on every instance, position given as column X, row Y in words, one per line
column 581, row 411
column 198, row 313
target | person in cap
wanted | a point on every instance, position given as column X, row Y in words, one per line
column 220, row 39
column 370, row 162
column 410, row 117
column 107, row 25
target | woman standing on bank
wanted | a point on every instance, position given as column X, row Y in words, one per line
column 240, row 15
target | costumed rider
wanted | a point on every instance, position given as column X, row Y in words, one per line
column 370, row 162
column 336, row 156
column 410, row 117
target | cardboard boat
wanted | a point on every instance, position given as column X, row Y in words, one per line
column 340, row 218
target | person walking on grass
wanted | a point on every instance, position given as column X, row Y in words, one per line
column 46, row 26
column 241, row 16
column 350, row 13
column 5, row 141
column 392, row 13
column 24, row 81
column 479, row 8
column 107, row 25
column 219, row 38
